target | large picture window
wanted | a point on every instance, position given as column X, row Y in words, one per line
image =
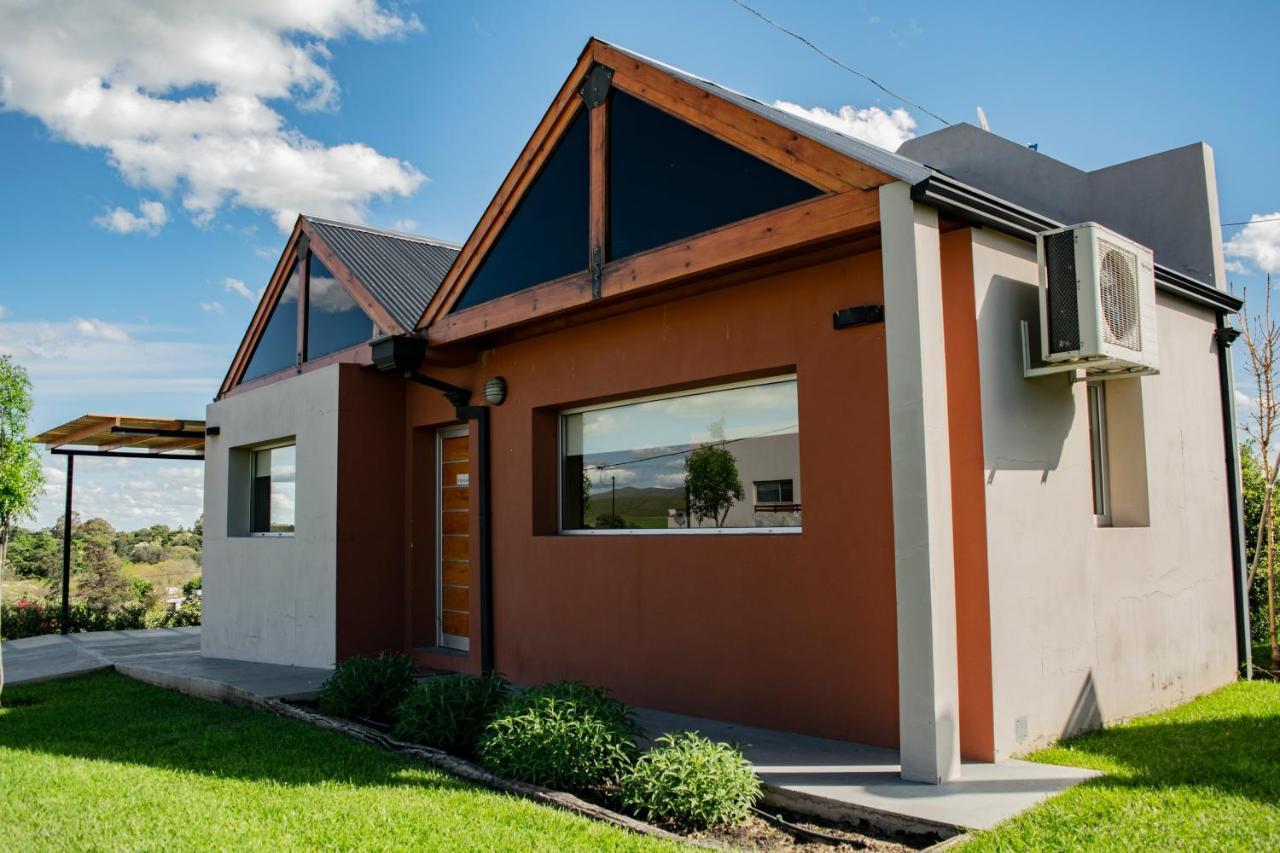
column 274, row 490
column 684, row 463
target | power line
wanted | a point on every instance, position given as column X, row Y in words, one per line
column 1251, row 221
column 612, row 465
column 832, row 59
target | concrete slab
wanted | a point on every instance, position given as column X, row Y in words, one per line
column 220, row 679
column 860, row 784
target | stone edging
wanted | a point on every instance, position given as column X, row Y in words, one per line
column 217, row 691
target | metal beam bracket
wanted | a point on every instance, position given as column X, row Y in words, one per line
column 595, row 88
column 596, row 272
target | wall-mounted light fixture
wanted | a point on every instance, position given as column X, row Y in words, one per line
column 495, row 391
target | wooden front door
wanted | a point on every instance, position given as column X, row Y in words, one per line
column 453, row 538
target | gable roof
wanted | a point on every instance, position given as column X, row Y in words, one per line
column 400, row 271
column 830, row 161
column 392, row 276
column 880, row 159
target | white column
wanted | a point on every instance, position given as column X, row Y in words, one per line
column 919, row 441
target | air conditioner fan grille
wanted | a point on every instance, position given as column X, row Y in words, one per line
column 1118, row 285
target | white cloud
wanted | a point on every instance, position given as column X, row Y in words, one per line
column 177, row 96
column 149, row 219
column 90, row 328
column 239, row 288
column 870, row 124
column 1258, row 243
column 214, row 307
column 409, row 226
column 95, row 364
column 4, row 312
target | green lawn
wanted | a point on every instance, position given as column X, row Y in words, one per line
column 104, row 762
column 1203, row 776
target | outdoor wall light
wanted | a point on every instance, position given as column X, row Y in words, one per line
column 495, row 391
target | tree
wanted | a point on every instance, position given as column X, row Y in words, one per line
column 102, row 583
column 711, row 480
column 1261, row 334
column 21, row 479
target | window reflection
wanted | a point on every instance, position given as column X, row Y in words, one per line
column 334, row 320
column 689, row 461
column 278, row 346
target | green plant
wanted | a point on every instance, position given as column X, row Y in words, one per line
column 367, row 687
column 711, row 479
column 449, row 712
column 565, row 735
column 690, row 782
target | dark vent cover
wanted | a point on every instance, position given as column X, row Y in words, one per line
column 1063, row 307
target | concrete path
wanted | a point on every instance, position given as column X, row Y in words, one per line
column 57, row 656
column 169, row 657
column 834, row 779
column 842, row 780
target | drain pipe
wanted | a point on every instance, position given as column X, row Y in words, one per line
column 1224, row 335
column 403, row 354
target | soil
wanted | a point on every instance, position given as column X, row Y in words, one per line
column 757, row 833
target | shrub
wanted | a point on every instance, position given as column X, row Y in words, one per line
column 184, row 615
column 367, row 687
column 690, row 782
column 30, row 618
column 450, row 711
column 565, row 735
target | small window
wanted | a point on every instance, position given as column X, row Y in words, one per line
column 774, row 492
column 334, row 320
column 677, row 463
column 277, row 349
column 274, row 490
column 1098, row 451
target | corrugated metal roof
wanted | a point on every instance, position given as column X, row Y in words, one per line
column 895, row 165
column 401, row 271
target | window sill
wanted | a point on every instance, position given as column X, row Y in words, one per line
column 697, row 531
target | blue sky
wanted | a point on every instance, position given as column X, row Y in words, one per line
column 149, row 156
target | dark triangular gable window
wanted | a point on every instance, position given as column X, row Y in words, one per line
column 547, row 235
column 669, row 180
column 277, row 347
column 334, row 320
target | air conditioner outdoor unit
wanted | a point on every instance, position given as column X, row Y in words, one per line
column 1097, row 301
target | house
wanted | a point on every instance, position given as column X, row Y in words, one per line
column 485, row 455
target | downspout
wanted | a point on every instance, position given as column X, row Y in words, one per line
column 1224, row 335
column 403, row 354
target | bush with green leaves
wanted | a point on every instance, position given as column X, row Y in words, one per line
column 690, row 782
column 565, row 735
column 449, row 712
column 367, row 688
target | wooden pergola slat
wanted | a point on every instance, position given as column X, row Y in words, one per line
column 118, row 436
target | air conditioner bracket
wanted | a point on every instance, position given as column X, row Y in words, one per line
column 1079, row 371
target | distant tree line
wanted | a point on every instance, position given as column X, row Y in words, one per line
column 103, row 596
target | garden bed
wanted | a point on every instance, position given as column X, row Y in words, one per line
column 766, row 829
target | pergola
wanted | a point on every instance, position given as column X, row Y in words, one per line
column 115, row 436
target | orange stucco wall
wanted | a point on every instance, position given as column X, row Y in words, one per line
column 784, row 631
column 968, row 498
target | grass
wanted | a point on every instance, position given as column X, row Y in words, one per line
column 1205, row 775
column 104, row 762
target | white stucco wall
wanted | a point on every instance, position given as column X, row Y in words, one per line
column 273, row 599
column 1092, row 624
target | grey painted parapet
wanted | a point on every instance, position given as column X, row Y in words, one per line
column 1168, row 201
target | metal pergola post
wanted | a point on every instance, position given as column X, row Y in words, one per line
column 65, row 622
